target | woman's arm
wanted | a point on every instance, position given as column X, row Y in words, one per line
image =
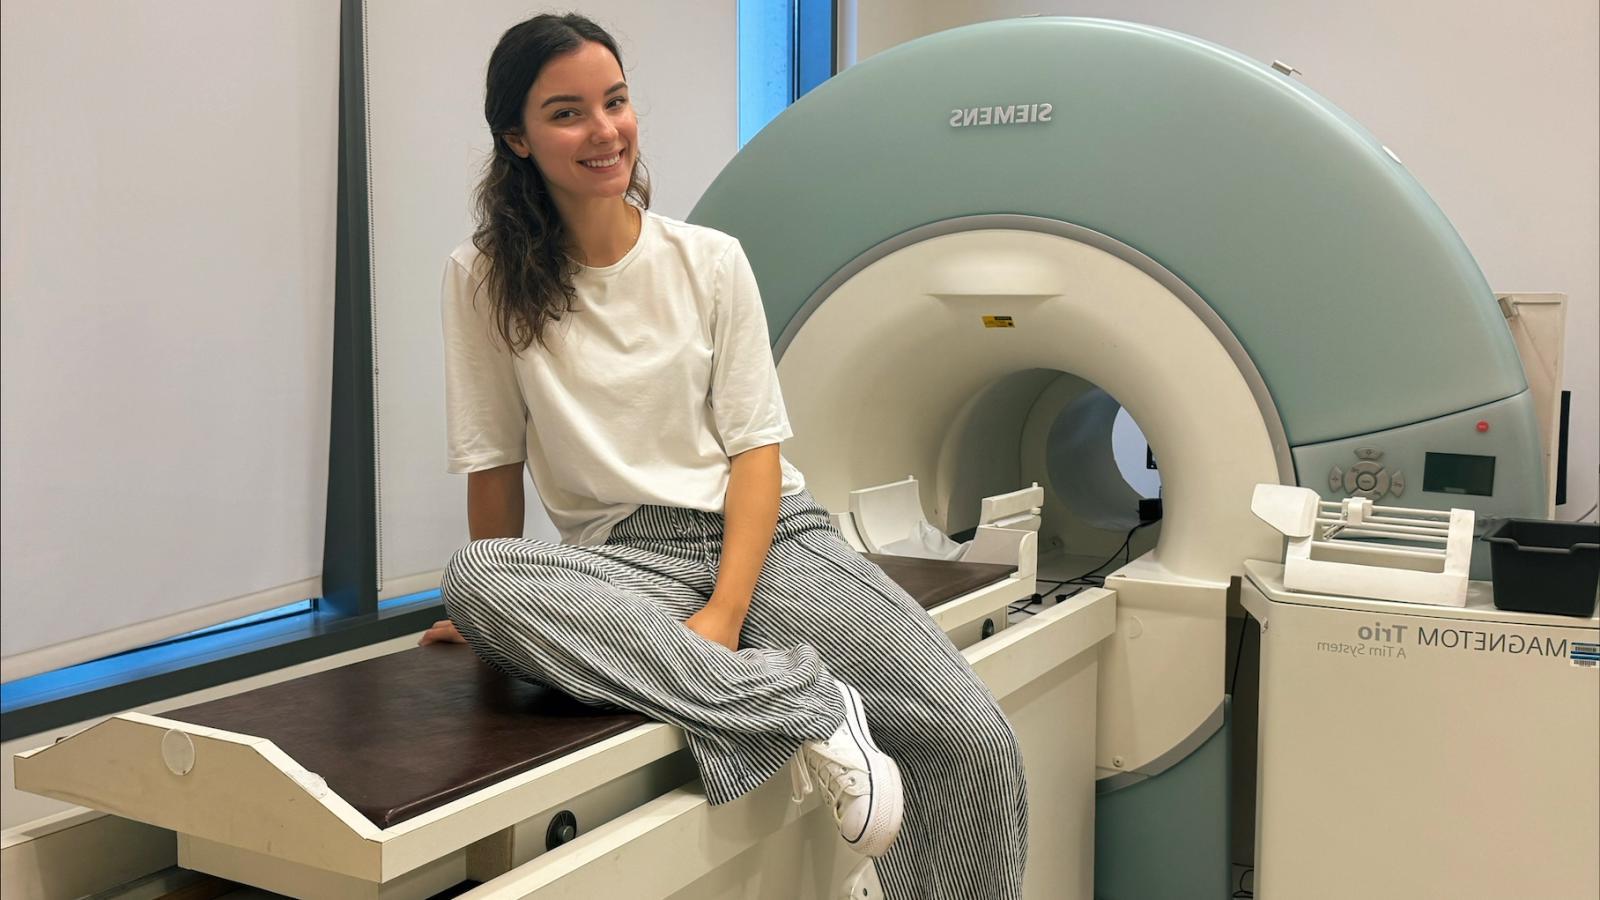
column 494, row 509
column 750, row 514
column 494, row 502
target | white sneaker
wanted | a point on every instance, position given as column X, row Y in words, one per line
column 862, row 783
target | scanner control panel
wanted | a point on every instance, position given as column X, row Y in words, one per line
column 1366, row 477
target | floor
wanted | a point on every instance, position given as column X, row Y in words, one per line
column 181, row 884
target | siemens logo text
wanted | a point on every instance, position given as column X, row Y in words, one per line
column 1021, row 114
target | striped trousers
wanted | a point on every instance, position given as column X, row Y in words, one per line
column 604, row 624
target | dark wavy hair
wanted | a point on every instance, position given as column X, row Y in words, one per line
column 519, row 231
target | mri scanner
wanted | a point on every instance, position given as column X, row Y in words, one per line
column 974, row 250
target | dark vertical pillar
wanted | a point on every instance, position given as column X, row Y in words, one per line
column 350, row 539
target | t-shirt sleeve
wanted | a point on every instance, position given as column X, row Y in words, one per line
column 746, row 402
column 485, row 416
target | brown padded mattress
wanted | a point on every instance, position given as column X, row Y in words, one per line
column 405, row 733
column 937, row 581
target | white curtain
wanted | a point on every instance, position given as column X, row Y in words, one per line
column 428, row 141
column 169, row 195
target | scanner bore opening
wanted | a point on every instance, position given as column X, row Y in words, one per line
column 1074, row 439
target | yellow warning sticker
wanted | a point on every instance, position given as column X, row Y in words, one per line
column 998, row 322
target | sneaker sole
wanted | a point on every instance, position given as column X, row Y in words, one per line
column 882, row 825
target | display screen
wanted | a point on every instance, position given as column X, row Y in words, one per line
column 1458, row 473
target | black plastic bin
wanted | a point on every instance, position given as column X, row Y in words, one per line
column 1545, row 567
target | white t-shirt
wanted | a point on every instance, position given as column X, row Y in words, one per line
column 640, row 395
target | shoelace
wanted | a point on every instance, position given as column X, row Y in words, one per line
column 838, row 782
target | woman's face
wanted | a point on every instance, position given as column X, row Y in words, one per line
column 579, row 127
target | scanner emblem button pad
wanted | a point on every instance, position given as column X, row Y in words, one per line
column 1367, row 477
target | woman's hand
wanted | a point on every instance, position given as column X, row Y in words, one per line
column 718, row 623
column 443, row 632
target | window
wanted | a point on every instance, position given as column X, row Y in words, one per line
column 786, row 48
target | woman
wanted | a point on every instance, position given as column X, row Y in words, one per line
column 623, row 358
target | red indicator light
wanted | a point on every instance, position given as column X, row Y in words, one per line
column 1482, row 427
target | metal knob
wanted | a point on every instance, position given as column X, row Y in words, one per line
column 563, row 828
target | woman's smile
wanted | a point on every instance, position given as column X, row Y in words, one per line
column 604, row 164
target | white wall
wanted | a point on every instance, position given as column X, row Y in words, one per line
column 428, row 142
column 1494, row 108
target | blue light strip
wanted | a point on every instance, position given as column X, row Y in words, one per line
column 265, row 615
column 429, row 596
column 202, row 644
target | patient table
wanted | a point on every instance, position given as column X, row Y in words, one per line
column 404, row 775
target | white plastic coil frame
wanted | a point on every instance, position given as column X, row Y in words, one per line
column 1353, row 548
